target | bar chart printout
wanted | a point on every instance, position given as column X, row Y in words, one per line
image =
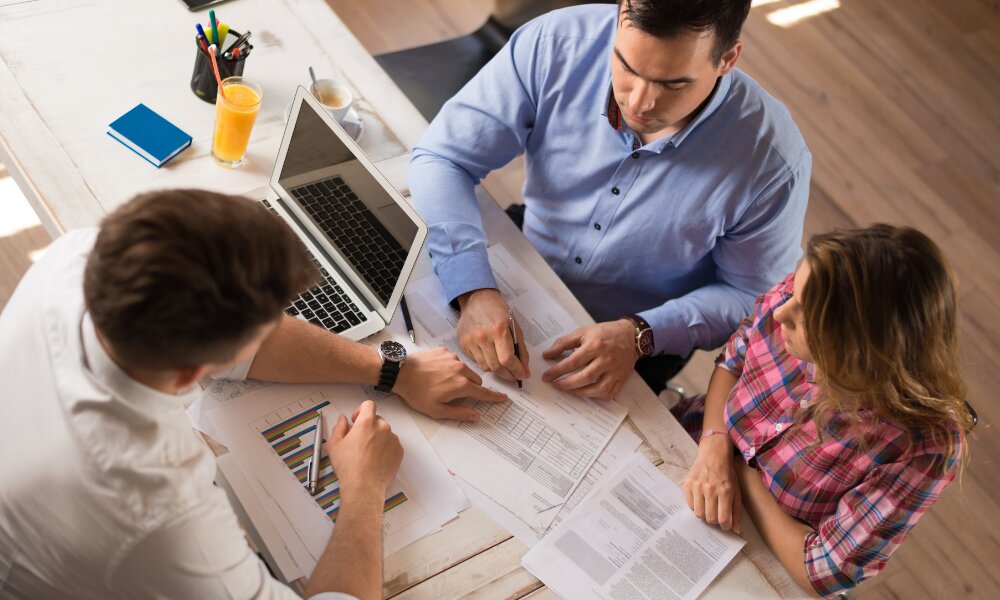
column 290, row 430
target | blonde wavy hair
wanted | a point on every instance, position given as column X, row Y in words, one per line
column 881, row 322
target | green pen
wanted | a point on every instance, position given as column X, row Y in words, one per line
column 215, row 27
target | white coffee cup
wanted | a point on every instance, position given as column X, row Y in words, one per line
column 335, row 97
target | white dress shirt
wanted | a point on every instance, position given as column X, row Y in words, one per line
column 105, row 489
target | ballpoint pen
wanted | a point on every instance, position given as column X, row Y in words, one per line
column 406, row 318
column 317, row 449
column 517, row 346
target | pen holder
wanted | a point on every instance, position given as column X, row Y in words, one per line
column 203, row 82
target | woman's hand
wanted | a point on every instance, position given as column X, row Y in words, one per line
column 712, row 488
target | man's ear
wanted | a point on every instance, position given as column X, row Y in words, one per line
column 186, row 377
column 728, row 61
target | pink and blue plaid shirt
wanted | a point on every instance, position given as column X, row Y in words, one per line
column 861, row 502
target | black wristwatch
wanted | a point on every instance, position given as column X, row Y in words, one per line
column 643, row 335
column 393, row 355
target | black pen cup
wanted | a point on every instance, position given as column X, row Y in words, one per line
column 203, row 82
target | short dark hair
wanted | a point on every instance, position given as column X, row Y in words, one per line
column 183, row 278
column 669, row 18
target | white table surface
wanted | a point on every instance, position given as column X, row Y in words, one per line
column 70, row 67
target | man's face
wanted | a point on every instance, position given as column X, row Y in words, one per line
column 658, row 83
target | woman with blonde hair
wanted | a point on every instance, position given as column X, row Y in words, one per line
column 836, row 413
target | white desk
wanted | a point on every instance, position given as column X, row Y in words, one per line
column 66, row 71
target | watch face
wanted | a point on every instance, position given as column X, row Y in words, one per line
column 646, row 342
column 393, row 351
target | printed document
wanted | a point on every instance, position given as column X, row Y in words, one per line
column 632, row 538
column 530, row 453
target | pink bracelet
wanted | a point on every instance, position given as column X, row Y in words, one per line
column 709, row 433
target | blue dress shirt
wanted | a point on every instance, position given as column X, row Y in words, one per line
column 684, row 231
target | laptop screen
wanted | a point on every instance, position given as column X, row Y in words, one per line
column 347, row 204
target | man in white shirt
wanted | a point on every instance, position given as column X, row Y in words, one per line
column 105, row 489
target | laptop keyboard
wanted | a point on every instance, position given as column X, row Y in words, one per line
column 366, row 243
column 326, row 304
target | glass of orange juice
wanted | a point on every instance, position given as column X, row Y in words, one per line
column 234, row 118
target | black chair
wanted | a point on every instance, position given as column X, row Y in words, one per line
column 430, row 75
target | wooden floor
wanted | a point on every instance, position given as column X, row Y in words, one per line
column 899, row 101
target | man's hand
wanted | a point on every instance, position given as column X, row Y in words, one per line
column 712, row 487
column 603, row 356
column 366, row 455
column 484, row 335
column 431, row 379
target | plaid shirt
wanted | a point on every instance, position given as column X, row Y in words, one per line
column 861, row 502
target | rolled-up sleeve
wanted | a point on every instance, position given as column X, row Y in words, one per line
column 734, row 353
column 479, row 130
column 871, row 521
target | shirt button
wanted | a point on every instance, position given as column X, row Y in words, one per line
column 749, row 452
column 597, row 226
column 615, row 191
column 635, row 155
column 578, row 260
column 778, row 427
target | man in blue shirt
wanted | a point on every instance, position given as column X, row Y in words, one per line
column 664, row 186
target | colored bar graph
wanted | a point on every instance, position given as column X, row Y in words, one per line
column 279, row 430
column 292, row 441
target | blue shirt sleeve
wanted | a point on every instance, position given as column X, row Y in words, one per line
column 479, row 130
column 750, row 258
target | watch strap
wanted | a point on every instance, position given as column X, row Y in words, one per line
column 387, row 376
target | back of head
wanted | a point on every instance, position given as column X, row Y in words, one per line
column 881, row 320
column 670, row 18
column 184, row 278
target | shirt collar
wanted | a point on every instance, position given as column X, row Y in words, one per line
column 612, row 112
column 120, row 384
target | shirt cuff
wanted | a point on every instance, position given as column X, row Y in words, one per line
column 671, row 331
column 465, row 272
column 332, row 596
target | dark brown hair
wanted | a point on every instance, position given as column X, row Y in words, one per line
column 881, row 321
column 670, row 18
column 183, row 278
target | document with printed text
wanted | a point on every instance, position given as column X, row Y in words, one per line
column 632, row 538
column 530, row 453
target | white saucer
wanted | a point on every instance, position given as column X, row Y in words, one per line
column 352, row 122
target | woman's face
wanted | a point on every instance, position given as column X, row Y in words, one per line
column 791, row 318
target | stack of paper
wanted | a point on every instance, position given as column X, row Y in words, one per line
column 269, row 431
column 521, row 462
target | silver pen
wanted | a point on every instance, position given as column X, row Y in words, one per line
column 317, row 450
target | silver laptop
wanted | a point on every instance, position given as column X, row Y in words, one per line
column 362, row 235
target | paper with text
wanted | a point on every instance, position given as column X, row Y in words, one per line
column 632, row 538
column 530, row 453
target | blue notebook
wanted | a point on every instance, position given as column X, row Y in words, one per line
column 149, row 135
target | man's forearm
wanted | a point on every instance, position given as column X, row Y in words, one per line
column 298, row 352
column 352, row 561
column 783, row 534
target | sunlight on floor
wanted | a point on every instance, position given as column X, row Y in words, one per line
column 15, row 212
column 786, row 17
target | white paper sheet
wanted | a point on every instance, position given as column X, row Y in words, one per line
column 429, row 497
column 622, row 445
column 528, row 454
column 632, row 538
